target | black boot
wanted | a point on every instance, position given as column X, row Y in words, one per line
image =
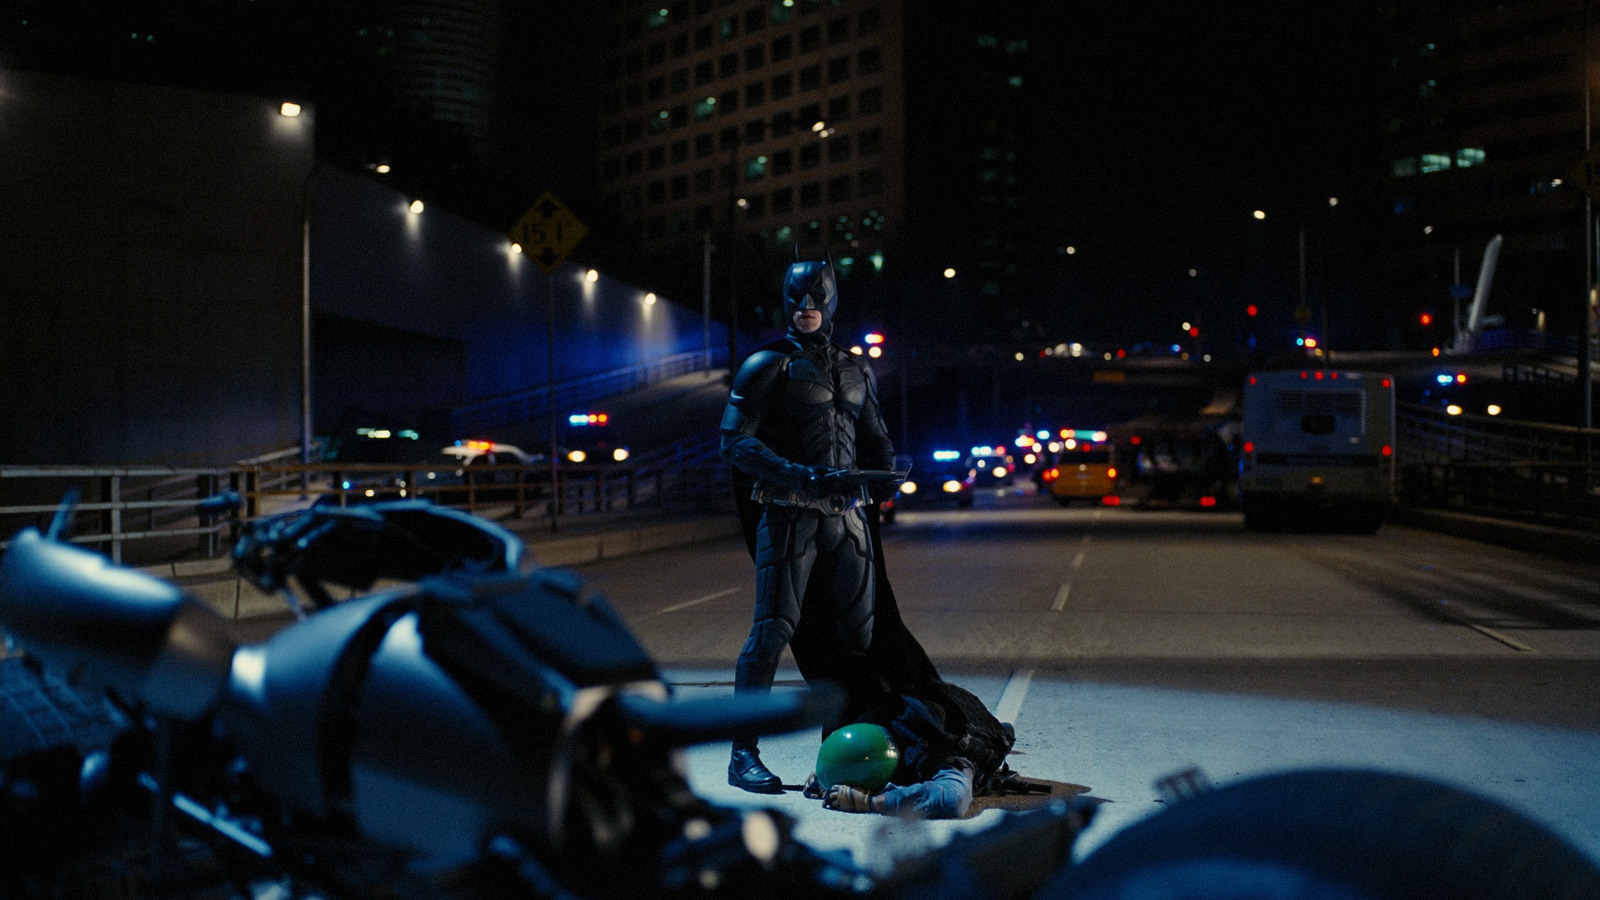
column 746, row 771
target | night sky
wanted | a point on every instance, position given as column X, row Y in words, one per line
column 1176, row 123
column 1171, row 123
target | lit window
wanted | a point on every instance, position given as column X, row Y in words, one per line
column 1435, row 162
column 1470, row 156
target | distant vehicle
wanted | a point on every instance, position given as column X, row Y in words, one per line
column 1083, row 473
column 588, row 439
column 1317, row 449
column 1188, row 462
column 483, row 470
column 943, row 479
column 992, row 465
column 489, row 453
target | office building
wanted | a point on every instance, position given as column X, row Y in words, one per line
column 1485, row 123
column 770, row 127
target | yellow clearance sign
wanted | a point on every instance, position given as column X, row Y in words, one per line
column 547, row 232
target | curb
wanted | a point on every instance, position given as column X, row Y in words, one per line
column 1545, row 540
column 554, row 550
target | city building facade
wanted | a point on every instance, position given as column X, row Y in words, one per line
column 1486, row 122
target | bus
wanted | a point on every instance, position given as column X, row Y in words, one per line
column 1317, row 450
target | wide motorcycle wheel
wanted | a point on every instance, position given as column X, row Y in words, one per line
column 1333, row 835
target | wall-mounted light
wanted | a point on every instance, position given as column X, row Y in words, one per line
column 289, row 110
column 591, row 276
column 650, row 299
column 416, row 206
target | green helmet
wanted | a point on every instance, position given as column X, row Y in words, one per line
column 860, row 755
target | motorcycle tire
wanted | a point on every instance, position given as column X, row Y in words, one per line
column 1333, row 835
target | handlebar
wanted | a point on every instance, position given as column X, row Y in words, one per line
column 356, row 546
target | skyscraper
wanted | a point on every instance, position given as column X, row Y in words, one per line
column 780, row 126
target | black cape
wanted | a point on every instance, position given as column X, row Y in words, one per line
column 895, row 666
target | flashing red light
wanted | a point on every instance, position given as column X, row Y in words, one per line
column 1251, row 310
column 1304, row 375
column 1136, row 440
column 1194, row 331
column 1388, row 383
column 1208, row 502
column 873, row 338
column 1318, row 376
column 1252, row 379
column 1249, row 446
column 1111, row 500
column 1427, row 318
column 1121, row 353
column 1387, row 450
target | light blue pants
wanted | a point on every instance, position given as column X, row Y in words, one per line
column 945, row 796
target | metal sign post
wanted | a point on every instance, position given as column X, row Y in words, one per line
column 547, row 232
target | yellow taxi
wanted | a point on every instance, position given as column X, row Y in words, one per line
column 1083, row 473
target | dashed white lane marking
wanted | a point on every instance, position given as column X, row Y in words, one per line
column 1011, row 698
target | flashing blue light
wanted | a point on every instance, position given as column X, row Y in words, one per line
column 1042, row 434
column 946, row 455
column 1443, row 378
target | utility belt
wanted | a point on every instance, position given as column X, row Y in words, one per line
column 831, row 504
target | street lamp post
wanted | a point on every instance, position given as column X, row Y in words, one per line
column 733, row 256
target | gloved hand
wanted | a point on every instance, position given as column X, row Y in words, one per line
column 845, row 798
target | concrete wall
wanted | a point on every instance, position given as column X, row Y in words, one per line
column 456, row 315
column 151, row 285
column 150, row 253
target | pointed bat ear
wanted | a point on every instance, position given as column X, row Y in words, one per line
column 796, row 248
column 827, row 256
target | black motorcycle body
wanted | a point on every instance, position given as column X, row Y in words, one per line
column 471, row 731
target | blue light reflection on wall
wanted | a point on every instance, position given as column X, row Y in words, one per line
column 434, row 279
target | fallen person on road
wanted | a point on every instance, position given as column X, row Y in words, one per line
column 903, row 760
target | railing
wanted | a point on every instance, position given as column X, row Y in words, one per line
column 1488, row 465
column 150, row 512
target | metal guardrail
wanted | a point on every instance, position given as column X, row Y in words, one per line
column 1532, row 471
column 153, row 508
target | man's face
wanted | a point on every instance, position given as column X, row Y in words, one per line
column 807, row 320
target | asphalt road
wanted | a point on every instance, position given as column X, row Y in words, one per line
column 1129, row 645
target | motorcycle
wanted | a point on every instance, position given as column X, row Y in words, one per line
column 453, row 728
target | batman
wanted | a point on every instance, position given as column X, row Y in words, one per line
column 800, row 409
